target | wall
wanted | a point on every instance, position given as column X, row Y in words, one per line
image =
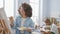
column 51, row 8
column 55, row 8
column 46, row 8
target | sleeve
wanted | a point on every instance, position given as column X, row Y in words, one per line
column 31, row 25
column 15, row 23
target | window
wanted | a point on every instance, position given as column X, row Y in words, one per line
column 17, row 3
column 9, row 7
column 35, row 6
column 1, row 3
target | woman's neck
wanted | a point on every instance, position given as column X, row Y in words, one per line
column 24, row 17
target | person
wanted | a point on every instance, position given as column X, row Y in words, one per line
column 11, row 19
column 24, row 20
column 5, row 20
column 48, row 24
column 53, row 27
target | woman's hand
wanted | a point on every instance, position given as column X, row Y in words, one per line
column 12, row 21
column 29, row 30
column 12, row 25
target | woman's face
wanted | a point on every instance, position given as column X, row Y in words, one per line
column 21, row 11
column 47, row 22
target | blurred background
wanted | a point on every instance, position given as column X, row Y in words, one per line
column 41, row 8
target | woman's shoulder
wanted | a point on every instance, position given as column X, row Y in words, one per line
column 18, row 17
column 30, row 20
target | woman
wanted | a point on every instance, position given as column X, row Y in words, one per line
column 25, row 20
column 47, row 26
column 53, row 27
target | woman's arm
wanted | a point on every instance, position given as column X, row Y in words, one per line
column 31, row 26
column 29, row 30
column 16, row 22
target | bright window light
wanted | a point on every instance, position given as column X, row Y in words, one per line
column 35, row 6
column 9, row 7
column 1, row 3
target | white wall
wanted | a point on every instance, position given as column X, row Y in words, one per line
column 51, row 8
column 55, row 8
column 46, row 8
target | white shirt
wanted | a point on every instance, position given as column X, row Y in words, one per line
column 54, row 29
column 23, row 20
